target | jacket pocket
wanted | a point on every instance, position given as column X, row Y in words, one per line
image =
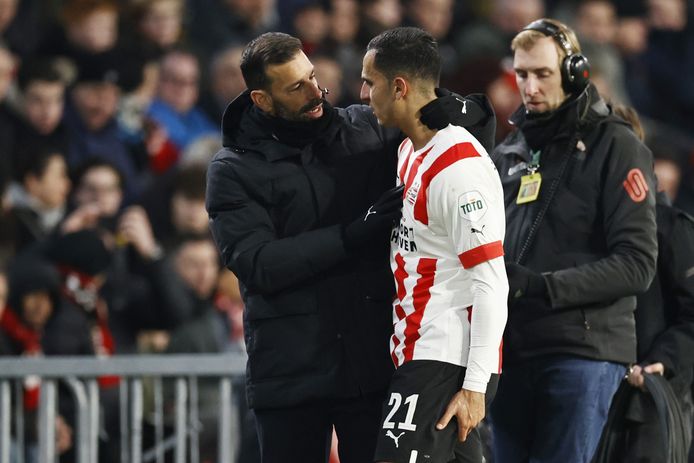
column 259, row 306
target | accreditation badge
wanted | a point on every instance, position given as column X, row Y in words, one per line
column 529, row 188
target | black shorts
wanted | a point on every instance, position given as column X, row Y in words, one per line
column 418, row 396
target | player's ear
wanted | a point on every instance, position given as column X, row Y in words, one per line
column 400, row 87
column 262, row 100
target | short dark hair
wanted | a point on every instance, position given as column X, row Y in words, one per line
column 96, row 163
column 34, row 160
column 265, row 50
column 38, row 70
column 406, row 50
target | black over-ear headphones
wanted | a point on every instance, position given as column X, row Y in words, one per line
column 575, row 69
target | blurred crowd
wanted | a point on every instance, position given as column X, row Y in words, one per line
column 110, row 111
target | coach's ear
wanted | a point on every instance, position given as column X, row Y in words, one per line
column 262, row 100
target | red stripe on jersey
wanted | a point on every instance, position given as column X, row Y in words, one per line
column 415, row 167
column 481, row 254
column 403, row 168
column 420, row 296
column 400, row 275
column 396, row 343
column 453, row 154
column 469, row 314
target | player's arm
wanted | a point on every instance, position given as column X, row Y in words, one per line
column 474, row 218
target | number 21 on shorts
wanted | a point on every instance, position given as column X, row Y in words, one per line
column 395, row 401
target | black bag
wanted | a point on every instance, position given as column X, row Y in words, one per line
column 645, row 426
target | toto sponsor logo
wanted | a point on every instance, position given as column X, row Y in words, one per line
column 472, row 206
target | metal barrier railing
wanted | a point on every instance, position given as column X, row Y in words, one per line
column 80, row 375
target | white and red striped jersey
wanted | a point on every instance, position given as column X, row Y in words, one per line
column 447, row 257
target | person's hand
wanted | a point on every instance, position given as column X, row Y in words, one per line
column 83, row 217
column 63, row 435
column 134, row 228
column 635, row 376
column 381, row 216
column 468, row 409
column 523, row 282
column 155, row 136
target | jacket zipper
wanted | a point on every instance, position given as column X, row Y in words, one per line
column 586, row 324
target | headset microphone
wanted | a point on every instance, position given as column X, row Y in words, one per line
column 325, row 91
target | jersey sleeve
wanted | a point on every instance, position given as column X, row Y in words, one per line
column 473, row 216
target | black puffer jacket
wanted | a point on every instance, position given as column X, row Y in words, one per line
column 597, row 241
column 317, row 320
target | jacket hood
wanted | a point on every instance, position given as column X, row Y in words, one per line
column 234, row 135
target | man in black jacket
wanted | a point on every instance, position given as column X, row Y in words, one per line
column 294, row 208
column 580, row 243
column 301, row 205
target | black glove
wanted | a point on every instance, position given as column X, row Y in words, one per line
column 523, row 282
column 380, row 217
column 474, row 112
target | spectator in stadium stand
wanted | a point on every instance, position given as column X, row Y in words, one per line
column 176, row 205
column 226, row 82
column 174, row 112
column 487, row 38
column 596, row 26
column 91, row 120
column 437, row 18
column 96, row 201
column 581, row 243
column 82, row 261
column 340, row 44
column 185, row 315
column 216, row 24
column 20, row 27
column 329, row 72
column 158, row 26
column 37, row 322
column 39, row 200
column 378, row 16
column 39, row 116
column 144, row 238
column 310, row 24
column 291, row 199
column 89, row 29
column 155, row 27
column 99, row 183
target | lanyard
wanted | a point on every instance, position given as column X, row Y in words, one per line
column 534, row 164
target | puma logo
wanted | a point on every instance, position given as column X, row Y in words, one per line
column 464, row 108
column 474, row 230
column 390, row 434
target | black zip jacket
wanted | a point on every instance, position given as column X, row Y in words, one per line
column 596, row 244
column 317, row 320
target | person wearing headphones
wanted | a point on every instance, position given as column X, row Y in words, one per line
column 579, row 192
